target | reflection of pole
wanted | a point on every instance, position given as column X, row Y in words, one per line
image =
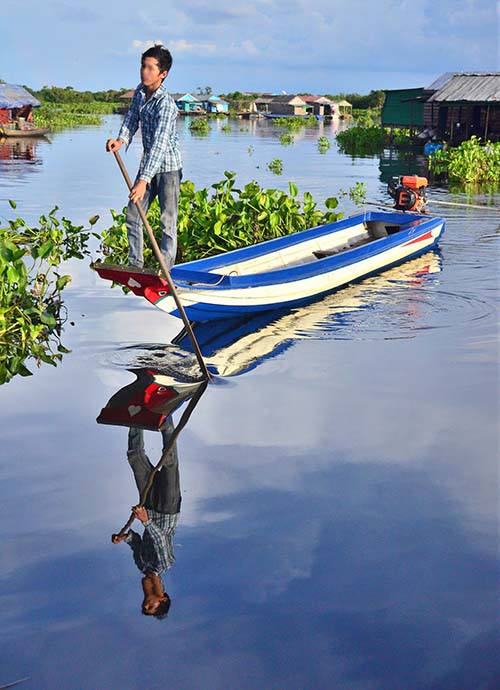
column 182, row 423
column 165, row 270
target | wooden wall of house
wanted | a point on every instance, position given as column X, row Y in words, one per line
column 285, row 109
column 472, row 119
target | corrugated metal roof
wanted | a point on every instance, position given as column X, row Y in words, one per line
column 473, row 87
column 440, row 81
column 15, row 96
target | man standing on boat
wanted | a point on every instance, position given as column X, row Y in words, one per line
column 160, row 170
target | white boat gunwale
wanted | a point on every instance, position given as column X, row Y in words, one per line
column 202, row 272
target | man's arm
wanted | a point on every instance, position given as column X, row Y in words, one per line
column 167, row 116
column 134, row 540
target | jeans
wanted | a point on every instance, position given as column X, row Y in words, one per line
column 166, row 187
column 165, row 494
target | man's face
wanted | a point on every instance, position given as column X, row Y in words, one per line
column 151, row 603
column 150, row 72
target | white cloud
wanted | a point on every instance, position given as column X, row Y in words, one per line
column 184, row 46
column 141, row 46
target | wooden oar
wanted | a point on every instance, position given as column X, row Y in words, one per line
column 166, row 272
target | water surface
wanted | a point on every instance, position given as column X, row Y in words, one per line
column 339, row 519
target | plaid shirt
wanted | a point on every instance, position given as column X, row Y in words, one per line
column 155, row 551
column 157, row 118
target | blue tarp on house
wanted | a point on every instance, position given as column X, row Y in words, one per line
column 15, row 96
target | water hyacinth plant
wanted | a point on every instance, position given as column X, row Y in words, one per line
column 61, row 115
column 362, row 140
column 223, row 217
column 199, row 127
column 470, row 163
column 287, row 139
column 323, row 144
column 32, row 312
column 295, row 123
column 276, row 166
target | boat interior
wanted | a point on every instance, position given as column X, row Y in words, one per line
column 336, row 242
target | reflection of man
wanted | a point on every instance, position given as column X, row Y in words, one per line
column 154, row 551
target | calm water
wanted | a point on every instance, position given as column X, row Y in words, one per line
column 339, row 519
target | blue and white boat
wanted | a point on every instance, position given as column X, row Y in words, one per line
column 287, row 271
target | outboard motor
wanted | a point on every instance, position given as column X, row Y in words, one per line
column 408, row 192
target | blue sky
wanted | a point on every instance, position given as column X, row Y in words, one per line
column 321, row 46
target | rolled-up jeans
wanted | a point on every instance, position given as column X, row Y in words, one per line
column 166, row 187
column 165, row 494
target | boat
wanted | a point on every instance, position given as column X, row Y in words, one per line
column 7, row 130
column 232, row 347
column 287, row 271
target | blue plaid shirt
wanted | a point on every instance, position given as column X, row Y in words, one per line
column 155, row 551
column 157, row 118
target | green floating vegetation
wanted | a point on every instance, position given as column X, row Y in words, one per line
column 323, row 144
column 362, row 140
column 223, row 217
column 287, row 139
column 471, row 163
column 295, row 123
column 62, row 115
column 276, row 166
column 199, row 127
column 32, row 312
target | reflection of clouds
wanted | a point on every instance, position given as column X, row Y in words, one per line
column 363, row 574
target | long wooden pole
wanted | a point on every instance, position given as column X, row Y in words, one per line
column 166, row 272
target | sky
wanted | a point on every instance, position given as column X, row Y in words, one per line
column 315, row 46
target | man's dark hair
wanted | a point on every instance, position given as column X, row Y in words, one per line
column 161, row 55
column 162, row 610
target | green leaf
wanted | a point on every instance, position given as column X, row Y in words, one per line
column 93, row 220
column 48, row 319
column 293, row 189
column 12, row 203
column 45, row 249
column 23, row 371
column 331, row 202
column 62, row 281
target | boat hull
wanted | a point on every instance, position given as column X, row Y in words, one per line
column 24, row 133
column 288, row 271
column 203, row 304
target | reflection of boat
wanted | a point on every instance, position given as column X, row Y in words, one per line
column 287, row 271
column 235, row 346
column 148, row 401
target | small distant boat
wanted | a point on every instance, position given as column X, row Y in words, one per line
column 6, row 130
column 287, row 271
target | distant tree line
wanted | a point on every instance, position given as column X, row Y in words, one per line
column 67, row 94
column 375, row 99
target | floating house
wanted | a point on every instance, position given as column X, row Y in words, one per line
column 344, row 109
column 16, row 104
column 454, row 107
column 213, row 104
column 321, row 107
column 287, row 104
column 404, row 108
column 188, row 104
column 459, row 105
